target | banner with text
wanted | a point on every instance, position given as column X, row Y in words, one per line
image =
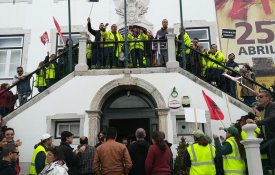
column 254, row 22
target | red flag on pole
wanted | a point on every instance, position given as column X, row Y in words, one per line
column 214, row 110
column 44, row 38
column 58, row 29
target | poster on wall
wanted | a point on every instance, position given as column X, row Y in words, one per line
column 254, row 44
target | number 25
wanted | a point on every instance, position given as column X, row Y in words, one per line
column 259, row 29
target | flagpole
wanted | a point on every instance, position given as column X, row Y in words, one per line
column 70, row 38
column 196, row 119
column 227, row 105
column 91, row 9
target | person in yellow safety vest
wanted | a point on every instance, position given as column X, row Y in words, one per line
column 112, row 50
column 187, row 41
column 214, row 71
column 40, row 153
column 233, row 152
column 89, row 47
column 204, row 62
column 200, row 155
column 137, row 46
column 52, row 71
column 40, row 80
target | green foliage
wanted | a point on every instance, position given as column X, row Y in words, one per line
column 178, row 167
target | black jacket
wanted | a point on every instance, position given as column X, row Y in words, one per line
column 7, row 168
column 138, row 152
column 70, row 158
column 269, row 121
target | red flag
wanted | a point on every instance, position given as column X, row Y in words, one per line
column 44, row 38
column 214, row 110
column 58, row 29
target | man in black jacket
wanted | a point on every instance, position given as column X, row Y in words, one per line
column 7, row 164
column 138, row 152
column 268, row 124
column 97, row 51
column 70, row 157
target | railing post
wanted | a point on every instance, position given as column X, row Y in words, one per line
column 82, row 62
column 252, row 149
column 172, row 63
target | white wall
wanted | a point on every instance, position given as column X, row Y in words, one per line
column 37, row 16
column 76, row 95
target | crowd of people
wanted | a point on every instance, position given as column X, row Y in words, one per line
column 107, row 157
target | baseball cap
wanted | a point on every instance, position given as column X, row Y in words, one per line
column 232, row 130
column 198, row 134
column 45, row 136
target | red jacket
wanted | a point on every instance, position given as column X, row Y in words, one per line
column 158, row 162
column 7, row 100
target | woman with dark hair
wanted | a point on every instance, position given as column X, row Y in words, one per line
column 158, row 157
column 232, row 150
column 56, row 164
column 200, row 155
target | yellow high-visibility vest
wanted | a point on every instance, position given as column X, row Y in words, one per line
column 50, row 71
column 233, row 164
column 202, row 159
column 36, row 151
column 40, row 79
column 218, row 56
column 137, row 45
column 89, row 51
column 110, row 37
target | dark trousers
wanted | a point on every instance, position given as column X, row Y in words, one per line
column 137, row 56
column 109, row 57
column 97, row 57
column 231, row 87
column 215, row 74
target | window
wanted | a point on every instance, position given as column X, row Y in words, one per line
column 65, row 121
column 74, row 37
column 11, row 48
column 72, row 126
column 202, row 33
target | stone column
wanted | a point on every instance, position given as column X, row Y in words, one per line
column 82, row 62
column 162, row 115
column 252, row 149
column 172, row 64
column 94, row 125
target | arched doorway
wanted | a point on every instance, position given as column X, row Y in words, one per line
column 146, row 90
column 128, row 110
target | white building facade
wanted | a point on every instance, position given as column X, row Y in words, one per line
column 87, row 101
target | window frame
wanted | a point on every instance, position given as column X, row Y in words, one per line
column 70, row 122
column 52, row 119
column 201, row 40
column 9, row 50
column 66, row 35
